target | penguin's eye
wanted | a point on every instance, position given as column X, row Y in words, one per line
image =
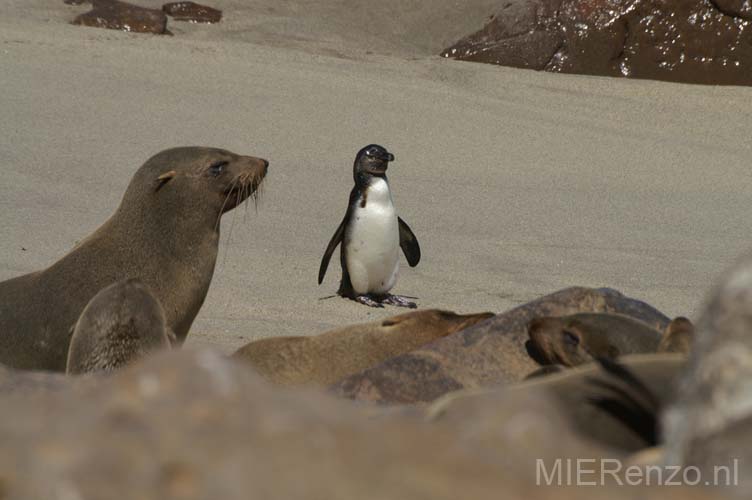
column 217, row 168
column 371, row 152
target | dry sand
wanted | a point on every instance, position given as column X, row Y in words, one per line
column 516, row 183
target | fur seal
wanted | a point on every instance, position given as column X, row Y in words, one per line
column 165, row 231
column 123, row 322
column 586, row 396
column 581, row 338
column 326, row 358
column 371, row 235
column 489, row 353
column 678, row 336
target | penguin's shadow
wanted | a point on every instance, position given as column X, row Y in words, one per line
column 335, row 295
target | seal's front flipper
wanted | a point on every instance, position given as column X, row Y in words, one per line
column 396, row 300
column 367, row 300
column 408, row 243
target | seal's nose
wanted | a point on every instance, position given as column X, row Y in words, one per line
column 266, row 165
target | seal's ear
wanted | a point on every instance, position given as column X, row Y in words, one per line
column 164, row 179
column 171, row 337
column 396, row 320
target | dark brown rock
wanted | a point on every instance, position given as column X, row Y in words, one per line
column 492, row 352
column 117, row 15
column 693, row 41
column 192, row 12
column 736, row 8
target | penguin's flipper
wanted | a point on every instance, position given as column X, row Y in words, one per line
column 409, row 243
column 336, row 240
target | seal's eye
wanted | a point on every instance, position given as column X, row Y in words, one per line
column 570, row 338
column 217, row 168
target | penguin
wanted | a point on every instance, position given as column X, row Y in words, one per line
column 371, row 235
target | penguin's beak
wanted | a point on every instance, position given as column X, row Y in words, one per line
column 388, row 157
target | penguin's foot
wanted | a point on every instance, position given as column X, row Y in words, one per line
column 367, row 300
column 396, row 300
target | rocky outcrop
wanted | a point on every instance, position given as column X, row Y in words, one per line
column 116, row 15
column 192, row 12
column 710, row 424
column 195, row 425
column 692, row 41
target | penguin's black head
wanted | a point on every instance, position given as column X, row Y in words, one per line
column 372, row 160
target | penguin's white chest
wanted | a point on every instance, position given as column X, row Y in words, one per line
column 372, row 241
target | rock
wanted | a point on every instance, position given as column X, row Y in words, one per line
column 492, row 352
column 188, row 424
column 27, row 382
column 692, row 41
column 735, row 8
column 710, row 424
column 117, row 15
column 192, row 12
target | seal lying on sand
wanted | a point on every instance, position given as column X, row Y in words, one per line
column 490, row 353
column 329, row 357
column 122, row 323
column 165, row 231
column 586, row 397
column 580, row 338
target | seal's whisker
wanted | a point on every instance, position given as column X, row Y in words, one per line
column 246, row 186
column 224, row 203
column 229, row 238
column 256, row 193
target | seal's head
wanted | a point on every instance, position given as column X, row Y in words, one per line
column 211, row 180
column 223, row 179
column 678, row 336
column 566, row 342
column 121, row 323
column 436, row 319
column 371, row 160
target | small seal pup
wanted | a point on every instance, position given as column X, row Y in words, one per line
column 122, row 323
column 371, row 234
column 581, row 338
column 165, row 231
column 326, row 358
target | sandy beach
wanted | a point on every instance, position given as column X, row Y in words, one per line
column 516, row 183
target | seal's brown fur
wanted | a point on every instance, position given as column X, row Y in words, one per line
column 165, row 231
column 329, row 357
column 579, row 338
column 678, row 336
column 122, row 323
